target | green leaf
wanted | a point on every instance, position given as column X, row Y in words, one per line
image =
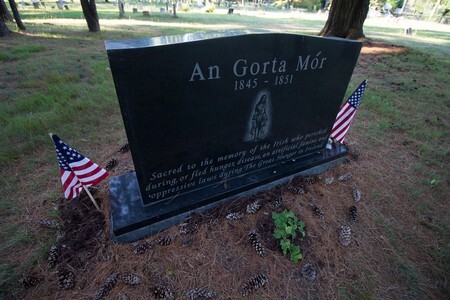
column 289, row 214
column 279, row 220
column 169, row 272
column 295, row 249
column 279, row 224
column 293, row 219
column 293, row 235
column 288, row 243
column 288, row 229
column 301, row 226
column 295, row 257
column 285, row 246
column 278, row 233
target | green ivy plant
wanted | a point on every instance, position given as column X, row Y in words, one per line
column 287, row 228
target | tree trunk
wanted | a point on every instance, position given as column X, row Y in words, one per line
column 121, row 9
column 4, row 12
column 16, row 14
column 90, row 14
column 4, row 30
column 433, row 11
column 346, row 19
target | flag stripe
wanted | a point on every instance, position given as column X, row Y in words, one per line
column 76, row 189
column 64, row 175
column 87, row 172
column 344, row 108
column 340, row 135
column 340, row 138
column 346, row 113
column 94, row 179
column 68, row 180
column 77, row 165
column 348, row 110
column 342, row 124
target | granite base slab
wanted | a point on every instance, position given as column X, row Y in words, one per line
column 130, row 220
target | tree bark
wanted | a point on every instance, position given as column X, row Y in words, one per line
column 4, row 12
column 346, row 19
column 121, row 9
column 90, row 14
column 433, row 11
column 4, row 30
column 16, row 14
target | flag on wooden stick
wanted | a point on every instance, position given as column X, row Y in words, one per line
column 346, row 113
column 77, row 171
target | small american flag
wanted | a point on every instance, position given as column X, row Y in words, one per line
column 75, row 169
column 346, row 113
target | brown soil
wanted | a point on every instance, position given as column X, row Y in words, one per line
column 81, row 228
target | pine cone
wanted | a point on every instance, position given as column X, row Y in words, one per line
column 317, row 210
column 187, row 241
column 66, row 279
column 186, row 228
column 296, row 190
column 213, row 222
column 30, row 281
column 124, row 297
column 124, row 148
column 164, row 240
column 329, row 181
column 356, row 195
column 353, row 214
column 129, row 278
column 278, row 201
column 111, row 164
column 253, row 207
column 52, row 224
column 345, row 177
column 161, row 292
column 194, row 294
column 253, row 284
column 234, row 216
column 345, row 236
column 53, row 256
column 107, row 286
column 310, row 179
column 309, row 272
column 140, row 248
column 259, row 248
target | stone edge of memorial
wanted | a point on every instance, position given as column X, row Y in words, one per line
column 198, row 36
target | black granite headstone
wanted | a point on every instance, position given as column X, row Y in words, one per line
column 213, row 115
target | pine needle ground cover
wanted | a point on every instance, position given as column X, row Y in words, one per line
column 394, row 243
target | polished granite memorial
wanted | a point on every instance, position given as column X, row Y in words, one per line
column 217, row 115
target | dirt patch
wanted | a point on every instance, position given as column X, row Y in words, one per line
column 376, row 47
column 81, row 230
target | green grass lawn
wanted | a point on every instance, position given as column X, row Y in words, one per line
column 58, row 72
